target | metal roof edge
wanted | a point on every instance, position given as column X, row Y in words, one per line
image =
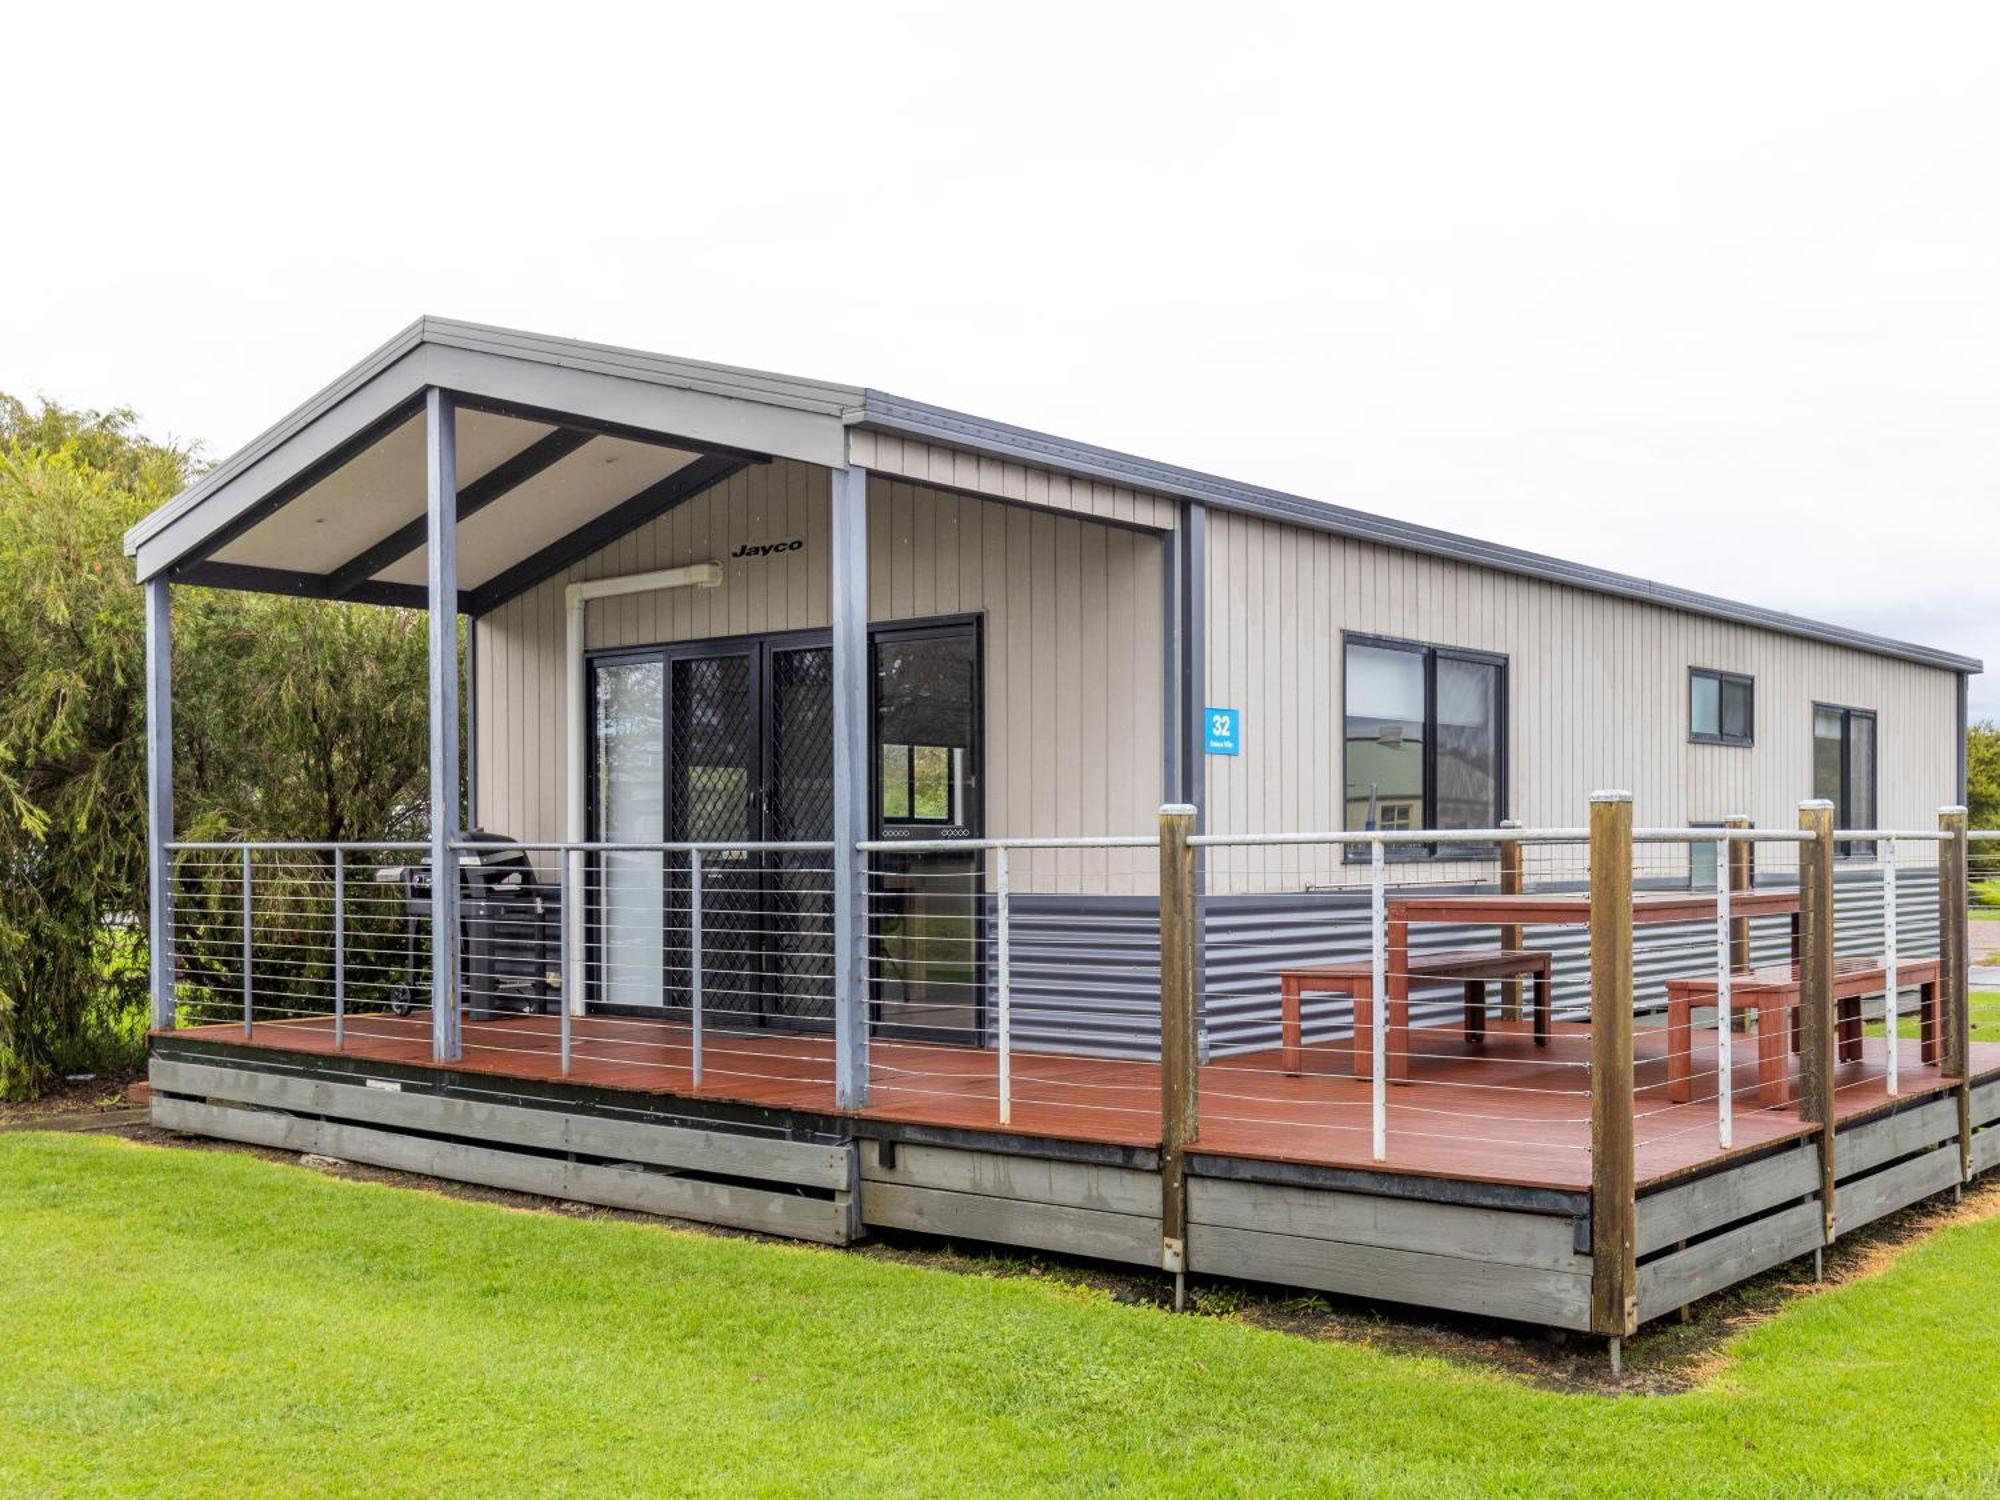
column 901, row 415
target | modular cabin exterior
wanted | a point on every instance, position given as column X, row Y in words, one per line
column 917, row 815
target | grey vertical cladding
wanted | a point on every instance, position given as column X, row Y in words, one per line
column 1086, row 969
column 441, row 508
column 160, row 795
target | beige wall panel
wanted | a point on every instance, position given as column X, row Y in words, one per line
column 1597, row 698
column 1072, row 613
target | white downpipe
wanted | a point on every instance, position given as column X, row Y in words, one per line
column 706, row 575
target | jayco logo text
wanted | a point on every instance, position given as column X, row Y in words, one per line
column 766, row 549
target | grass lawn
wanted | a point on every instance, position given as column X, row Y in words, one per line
column 1983, row 1017
column 211, row 1323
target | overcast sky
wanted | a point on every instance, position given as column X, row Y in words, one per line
column 1710, row 298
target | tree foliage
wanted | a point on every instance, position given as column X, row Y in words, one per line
column 1982, row 775
column 293, row 719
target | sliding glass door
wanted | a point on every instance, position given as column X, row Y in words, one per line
column 731, row 742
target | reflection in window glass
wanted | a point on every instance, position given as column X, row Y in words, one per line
column 1705, row 704
column 631, row 808
column 895, row 781
column 1827, row 734
column 1423, row 739
column 1735, row 709
column 1385, row 737
column 1844, row 769
column 924, row 717
column 1468, row 744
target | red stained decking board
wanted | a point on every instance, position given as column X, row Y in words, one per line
column 1504, row 1112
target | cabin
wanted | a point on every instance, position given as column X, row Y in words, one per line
column 874, row 817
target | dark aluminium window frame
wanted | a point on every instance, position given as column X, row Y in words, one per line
column 973, row 824
column 1431, row 652
column 1844, row 801
column 1746, row 739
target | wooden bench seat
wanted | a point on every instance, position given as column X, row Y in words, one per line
column 1772, row 995
column 1471, row 967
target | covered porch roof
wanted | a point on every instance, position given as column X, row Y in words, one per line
column 560, row 448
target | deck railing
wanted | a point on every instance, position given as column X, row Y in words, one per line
column 1262, row 995
column 1292, row 934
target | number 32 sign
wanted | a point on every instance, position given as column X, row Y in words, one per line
column 1222, row 731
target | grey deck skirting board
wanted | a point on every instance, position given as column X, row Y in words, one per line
column 1986, row 1102
column 1862, row 1148
column 1985, row 1149
column 1691, row 1209
column 719, row 1153
column 1475, row 1234
column 1073, row 1208
column 1125, row 1238
column 1680, row 1278
column 1863, row 1200
column 1527, row 1294
column 733, row 1205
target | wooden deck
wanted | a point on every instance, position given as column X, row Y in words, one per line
column 1502, row 1112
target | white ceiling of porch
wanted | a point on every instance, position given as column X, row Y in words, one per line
column 382, row 490
column 570, row 493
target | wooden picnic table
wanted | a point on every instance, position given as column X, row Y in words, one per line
column 1543, row 909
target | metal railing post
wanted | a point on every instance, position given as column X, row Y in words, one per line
column 248, row 1003
column 1003, row 902
column 1378, row 1007
column 1725, row 964
column 565, row 951
column 1892, row 1011
column 339, row 948
column 696, row 975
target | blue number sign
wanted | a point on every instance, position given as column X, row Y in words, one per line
column 1222, row 731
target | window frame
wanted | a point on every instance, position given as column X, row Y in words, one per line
column 1851, row 848
column 1722, row 678
column 1431, row 652
column 972, row 823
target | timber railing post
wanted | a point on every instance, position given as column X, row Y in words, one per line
column 1511, row 937
column 1816, row 1020
column 1180, row 1005
column 1614, row 1301
column 1954, row 977
column 1740, row 877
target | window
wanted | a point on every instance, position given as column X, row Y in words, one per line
column 926, row 722
column 1721, row 707
column 1844, row 769
column 1425, row 736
